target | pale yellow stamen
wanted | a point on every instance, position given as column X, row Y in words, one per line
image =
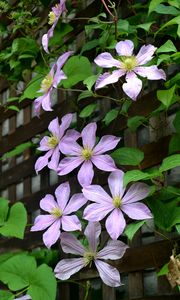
column 56, row 212
column 86, row 153
column 128, row 63
column 52, row 18
column 53, row 141
column 117, row 201
column 46, row 83
column 88, row 257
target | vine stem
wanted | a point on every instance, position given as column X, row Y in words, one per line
column 24, row 290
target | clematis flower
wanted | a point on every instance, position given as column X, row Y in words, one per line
column 114, row 250
column 88, row 155
column 120, row 202
column 26, row 297
column 52, row 144
column 59, row 214
column 49, row 82
column 54, row 16
column 129, row 65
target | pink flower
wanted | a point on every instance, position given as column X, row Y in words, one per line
column 49, row 82
column 88, row 155
column 54, row 16
column 52, row 144
column 26, row 297
column 114, row 250
column 127, row 63
column 59, row 214
column 120, row 201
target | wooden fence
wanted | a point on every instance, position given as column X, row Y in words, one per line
column 18, row 181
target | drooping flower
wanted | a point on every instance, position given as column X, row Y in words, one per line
column 129, row 65
column 26, row 297
column 88, row 155
column 59, row 214
column 52, row 144
column 54, row 16
column 49, row 82
column 120, row 202
column 70, row 244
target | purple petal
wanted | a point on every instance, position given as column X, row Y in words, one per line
column 115, row 224
column 97, row 194
column 76, row 202
column 70, row 223
column 67, row 267
column 108, row 274
column 62, row 194
column 42, row 161
column 86, row 173
column 65, row 123
column 68, row 164
column 105, row 60
column 137, row 211
column 106, row 143
column 54, row 127
column 115, row 181
column 54, row 162
column 48, row 203
column 59, row 73
column 44, row 144
column 145, row 54
column 42, row 222
column 96, row 212
column 37, row 105
column 72, row 134
column 47, row 36
column 89, row 135
column 70, row 147
column 51, row 236
column 152, row 72
column 46, row 101
column 132, row 86
column 92, row 232
column 108, row 78
column 104, row 162
column 114, row 250
column 70, row 244
column 136, row 192
column 125, row 48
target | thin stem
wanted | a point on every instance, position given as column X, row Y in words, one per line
column 87, row 290
column 106, row 7
column 24, row 290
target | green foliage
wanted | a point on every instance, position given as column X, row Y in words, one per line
column 167, row 97
column 134, row 122
column 88, row 110
column 164, row 270
column 16, row 151
column 110, row 116
column 6, row 295
column 12, row 221
column 170, row 162
column 167, row 47
column 132, row 228
column 128, row 156
column 137, row 175
column 33, row 87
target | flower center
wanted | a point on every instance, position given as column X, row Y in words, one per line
column 56, row 212
column 52, row 18
column 117, row 201
column 46, row 83
column 128, row 62
column 53, row 141
column 86, row 153
column 88, row 257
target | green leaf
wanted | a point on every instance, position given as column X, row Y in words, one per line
column 167, row 47
column 12, row 99
column 76, row 69
column 172, row 81
column 16, row 223
column 4, row 208
column 174, row 144
column 170, row 162
column 136, row 175
column 174, row 3
column 122, row 26
column 110, row 116
column 88, row 110
column 17, row 271
column 178, row 228
column 132, row 228
column 24, row 45
column 6, row 295
column 33, row 87
column 18, row 150
column 13, row 107
column 85, row 94
column 153, row 4
column 42, row 284
column 176, row 122
column 164, row 270
column 90, row 81
column 174, row 21
column 166, row 214
column 134, row 122
column 145, row 26
column 166, row 10
column 90, row 45
column 128, row 156
column 167, row 96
